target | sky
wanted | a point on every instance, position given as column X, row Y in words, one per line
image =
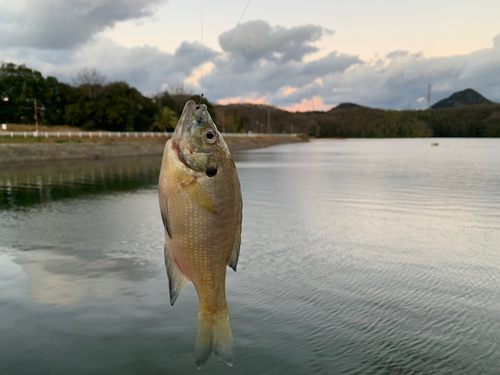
column 296, row 55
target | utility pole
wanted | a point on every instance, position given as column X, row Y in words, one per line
column 429, row 97
column 36, row 117
column 268, row 116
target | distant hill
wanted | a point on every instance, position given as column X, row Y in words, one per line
column 462, row 98
column 346, row 106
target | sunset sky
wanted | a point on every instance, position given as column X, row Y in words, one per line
column 298, row 55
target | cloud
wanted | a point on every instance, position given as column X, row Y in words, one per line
column 255, row 68
column 399, row 84
column 394, row 55
column 398, row 81
column 496, row 41
column 57, row 24
column 257, row 40
column 315, row 104
column 146, row 68
column 228, row 79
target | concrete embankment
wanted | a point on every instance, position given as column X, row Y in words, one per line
column 27, row 152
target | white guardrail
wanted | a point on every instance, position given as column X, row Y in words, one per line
column 85, row 134
column 123, row 134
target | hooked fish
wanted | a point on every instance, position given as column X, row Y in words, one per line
column 201, row 207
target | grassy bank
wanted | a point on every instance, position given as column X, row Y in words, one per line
column 20, row 149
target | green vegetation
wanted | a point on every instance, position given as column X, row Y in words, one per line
column 353, row 121
column 90, row 103
column 116, row 107
column 166, row 120
column 467, row 121
column 243, row 117
column 364, row 122
column 462, row 98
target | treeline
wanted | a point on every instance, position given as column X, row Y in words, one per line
column 353, row 121
column 468, row 121
column 362, row 122
column 258, row 118
column 90, row 102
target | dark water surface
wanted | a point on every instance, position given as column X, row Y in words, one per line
column 358, row 257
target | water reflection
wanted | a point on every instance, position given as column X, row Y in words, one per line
column 358, row 257
column 26, row 185
column 71, row 251
column 51, row 283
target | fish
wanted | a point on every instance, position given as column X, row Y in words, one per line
column 201, row 207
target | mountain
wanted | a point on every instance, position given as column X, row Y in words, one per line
column 346, row 106
column 462, row 98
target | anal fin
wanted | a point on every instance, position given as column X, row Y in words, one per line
column 164, row 215
column 236, row 250
column 176, row 280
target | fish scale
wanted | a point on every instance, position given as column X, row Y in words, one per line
column 200, row 200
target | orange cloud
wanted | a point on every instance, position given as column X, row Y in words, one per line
column 237, row 99
column 256, row 101
column 308, row 105
column 289, row 90
column 227, row 101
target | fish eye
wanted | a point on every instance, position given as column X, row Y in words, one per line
column 210, row 136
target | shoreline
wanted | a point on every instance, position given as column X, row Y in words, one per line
column 34, row 152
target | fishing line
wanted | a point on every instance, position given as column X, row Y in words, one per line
column 201, row 51
column 228, row 42
column 232, row 34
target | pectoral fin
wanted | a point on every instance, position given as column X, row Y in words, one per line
column 176, row 280
column 201, row 197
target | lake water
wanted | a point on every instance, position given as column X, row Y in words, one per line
column 358, row 257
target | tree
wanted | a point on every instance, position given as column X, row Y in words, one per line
column 233, row 121
column 163, row 99
column 56, row 97
column 179, row 88
column 166, row 120
column 91, row 80
column 118, row 108
column 20, row 86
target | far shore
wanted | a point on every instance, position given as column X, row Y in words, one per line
column 30, row 149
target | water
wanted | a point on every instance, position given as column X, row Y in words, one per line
column 358, row 257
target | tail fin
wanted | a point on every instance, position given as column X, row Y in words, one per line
column 214, row 337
